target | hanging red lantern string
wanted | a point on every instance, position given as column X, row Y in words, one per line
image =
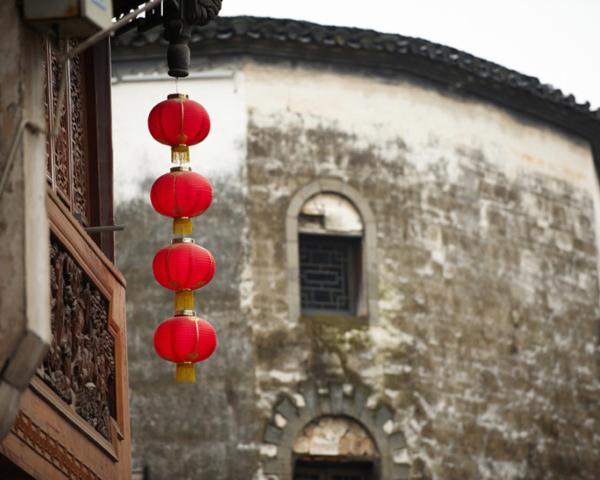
column 182, row 266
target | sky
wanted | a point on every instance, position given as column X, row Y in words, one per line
column 557, row 41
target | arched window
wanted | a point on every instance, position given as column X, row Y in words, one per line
column 331, row 252
column 330, row 232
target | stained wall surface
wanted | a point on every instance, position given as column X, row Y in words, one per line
column 12, row 255
column 485, row 343
column 24, row 254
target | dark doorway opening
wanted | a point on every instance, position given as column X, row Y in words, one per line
column 331, row 470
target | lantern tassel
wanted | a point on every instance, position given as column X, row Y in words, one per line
column 185, row 373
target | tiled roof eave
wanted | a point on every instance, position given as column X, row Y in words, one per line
column 369, row 49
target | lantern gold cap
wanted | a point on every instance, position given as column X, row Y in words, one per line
column 182, row 240
column 182, row 96
column 185, row 313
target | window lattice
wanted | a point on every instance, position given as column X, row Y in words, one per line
column 327, row 273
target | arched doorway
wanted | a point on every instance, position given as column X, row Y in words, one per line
column 291, row 417
column 335, row 448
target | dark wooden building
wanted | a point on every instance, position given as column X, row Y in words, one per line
column 64, row 356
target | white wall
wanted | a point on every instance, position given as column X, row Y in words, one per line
column 376, row 109
column 138, row 156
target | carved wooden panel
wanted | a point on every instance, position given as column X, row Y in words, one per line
column 79, row 138
column 79, row 159
column 59, row 145
column 80, row 365
column 74, row 419
column 68, row 165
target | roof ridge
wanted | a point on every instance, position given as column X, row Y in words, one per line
column 302, row 32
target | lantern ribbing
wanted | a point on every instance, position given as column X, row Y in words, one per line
column 182, row 266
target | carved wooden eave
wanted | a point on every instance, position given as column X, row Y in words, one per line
column 355, row 49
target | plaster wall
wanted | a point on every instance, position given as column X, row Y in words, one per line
column 486, row 344
column 12, row 321
column 24, row 255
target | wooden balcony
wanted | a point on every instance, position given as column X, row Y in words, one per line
column 74, row 418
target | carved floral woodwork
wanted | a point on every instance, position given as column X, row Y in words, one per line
column 80, row 365
column 68, row 161
column 78, row 127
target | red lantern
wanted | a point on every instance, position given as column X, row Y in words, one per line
column 183, row 266
column 185, row 341
column 179, row 121
column 181, row 194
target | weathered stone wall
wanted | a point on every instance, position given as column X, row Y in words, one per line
column 487, row 339
column 486, row 343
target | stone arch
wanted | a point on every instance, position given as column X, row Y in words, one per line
column 368, row 307
column 292, row 414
